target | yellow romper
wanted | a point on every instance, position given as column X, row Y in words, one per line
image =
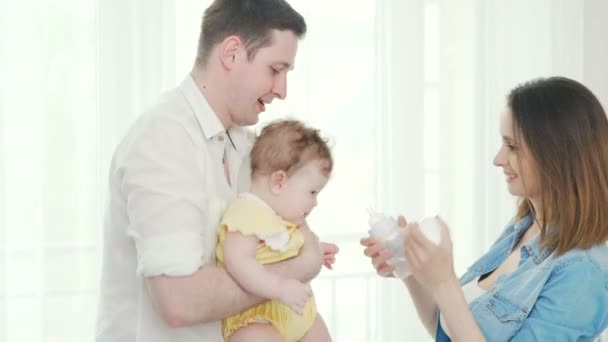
column 252, row 216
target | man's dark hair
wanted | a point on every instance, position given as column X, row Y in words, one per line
column 251, row 20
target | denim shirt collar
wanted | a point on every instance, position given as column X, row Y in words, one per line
column 521, row 226
column 532, row 247
column 534, row 251
column 503, row 247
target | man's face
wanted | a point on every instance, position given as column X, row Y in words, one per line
column 257, row 82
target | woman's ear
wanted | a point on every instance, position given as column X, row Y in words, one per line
column 277, row 181
column 228, row 51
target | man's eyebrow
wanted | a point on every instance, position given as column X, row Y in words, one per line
column 285, row 65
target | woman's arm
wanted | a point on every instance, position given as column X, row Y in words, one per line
column 425, row 305
column 456, row 313
column 422, row 298
column 424, row 302
column 433, row 267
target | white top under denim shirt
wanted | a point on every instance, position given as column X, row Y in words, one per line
column 547, row 298
column 167, row 192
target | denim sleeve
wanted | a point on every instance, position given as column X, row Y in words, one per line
column 572, row 306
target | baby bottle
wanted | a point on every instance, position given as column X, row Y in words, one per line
column 386, row 230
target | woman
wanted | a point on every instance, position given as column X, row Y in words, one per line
column 546, row 277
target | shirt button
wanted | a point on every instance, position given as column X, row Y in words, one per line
column 221, row 138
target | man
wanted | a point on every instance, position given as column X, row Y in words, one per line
column 177, row 169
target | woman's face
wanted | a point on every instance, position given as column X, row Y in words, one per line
column 516, row 161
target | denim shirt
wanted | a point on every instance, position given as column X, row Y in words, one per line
column 547, row 298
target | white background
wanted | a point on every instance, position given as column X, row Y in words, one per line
column 409, row 91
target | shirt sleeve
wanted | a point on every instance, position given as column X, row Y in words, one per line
column 161, row 177
column 572, row 306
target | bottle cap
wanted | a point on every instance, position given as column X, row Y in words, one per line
column 380, row 226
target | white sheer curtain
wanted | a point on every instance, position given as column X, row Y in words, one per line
column 408, row 90
column 49, row 167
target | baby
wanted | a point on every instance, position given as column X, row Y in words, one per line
column 290, row 165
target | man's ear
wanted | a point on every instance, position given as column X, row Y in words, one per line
column 277, row 181
column 229, row 49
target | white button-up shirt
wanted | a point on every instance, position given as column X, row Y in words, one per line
column 167, row 192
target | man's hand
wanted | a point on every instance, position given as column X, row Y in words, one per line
column 294, row 294
column 329, row 254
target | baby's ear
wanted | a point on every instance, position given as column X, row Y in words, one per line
column 277, row 181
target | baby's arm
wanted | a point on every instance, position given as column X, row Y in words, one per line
column 240, row 262
column 307, row 265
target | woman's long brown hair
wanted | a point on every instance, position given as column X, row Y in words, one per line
column 566, row 131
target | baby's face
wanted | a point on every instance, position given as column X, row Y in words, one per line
column 299, row 194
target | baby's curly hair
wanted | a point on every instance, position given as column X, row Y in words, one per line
column 288, row 145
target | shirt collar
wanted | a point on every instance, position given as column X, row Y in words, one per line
column 521, row 226
column 208, row 121
column 535, row 252
column 532, row 247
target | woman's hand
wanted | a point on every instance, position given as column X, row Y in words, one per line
column 431, row 265
column 376, row 251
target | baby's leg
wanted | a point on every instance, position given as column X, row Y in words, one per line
column 318, row 332
column 256, row 332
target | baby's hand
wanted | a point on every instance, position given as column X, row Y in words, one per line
column 329, row 254
column 295, row 294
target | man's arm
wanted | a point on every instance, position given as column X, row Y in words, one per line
column 211, row 294
column 207, row 295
